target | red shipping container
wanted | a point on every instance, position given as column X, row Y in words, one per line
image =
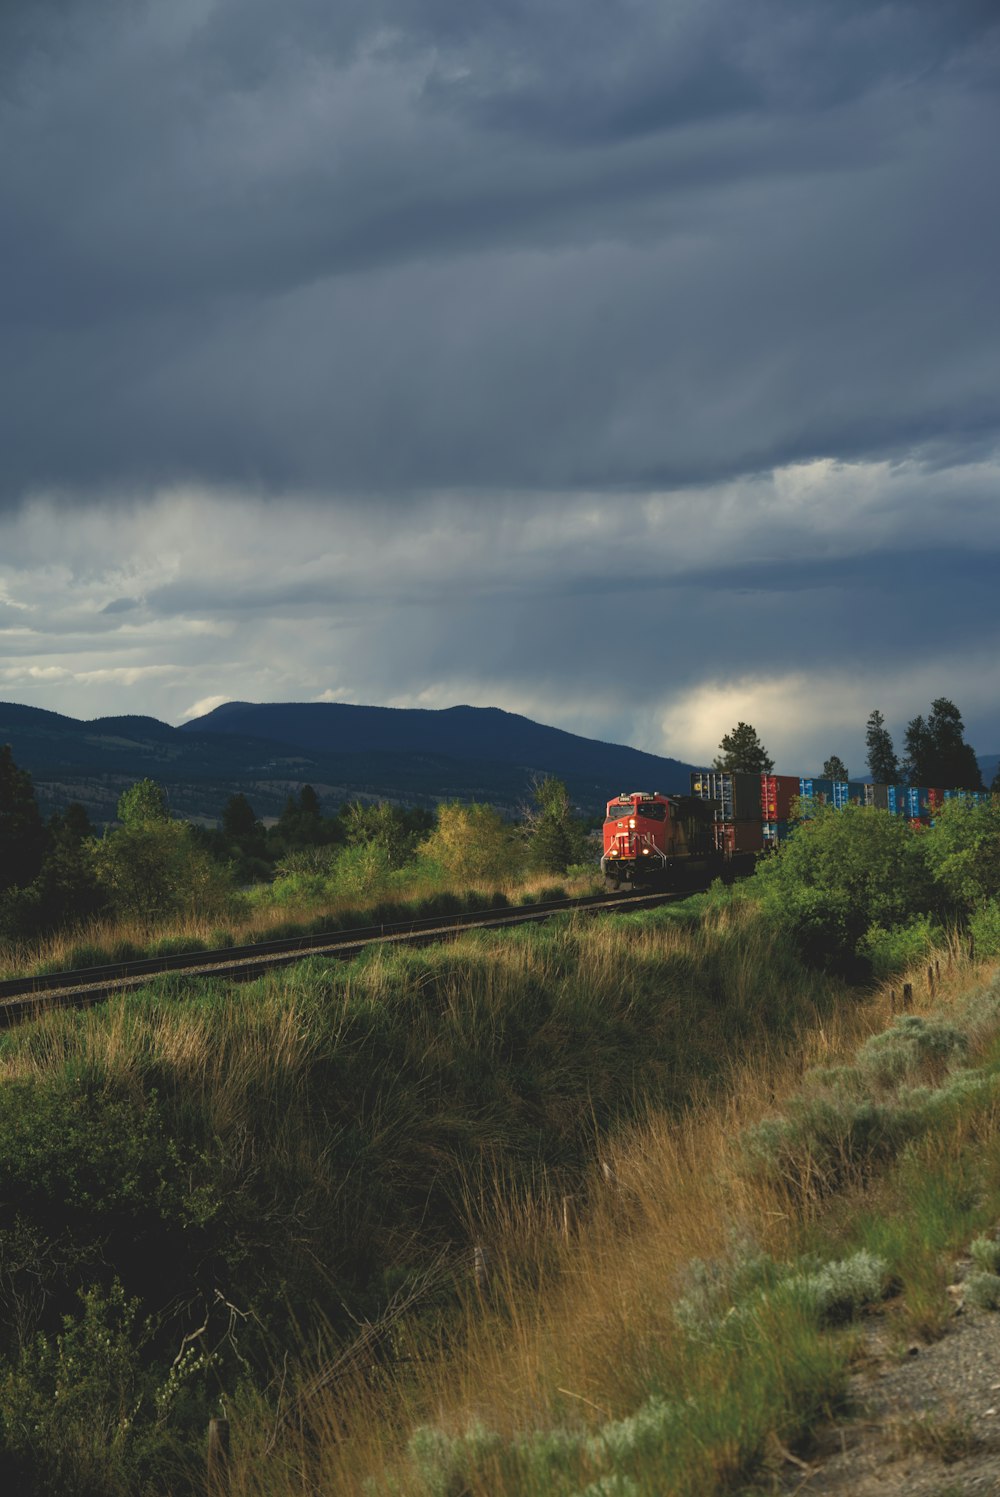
column 935, row 798
column 777, row 791
column 739, row 836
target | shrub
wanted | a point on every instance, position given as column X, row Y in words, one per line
column 983, row 1290
column 894, row 950
column 985, row 1252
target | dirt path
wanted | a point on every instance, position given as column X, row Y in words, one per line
column 928, row 1420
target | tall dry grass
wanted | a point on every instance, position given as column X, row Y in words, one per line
column 578, row 1320
column 113, row 938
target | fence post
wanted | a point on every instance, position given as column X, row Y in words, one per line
column 907, row 995
column 218, row 1454
column 892, row 1000
column 567, row 1218
column 479, row 1268
column 930, row 979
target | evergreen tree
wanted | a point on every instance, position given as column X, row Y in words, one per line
column 741, row 751
column 22, row 835
column 834, row 768
column 239, row 821
column 936, row 751
column 555, row 837
column 883, row 766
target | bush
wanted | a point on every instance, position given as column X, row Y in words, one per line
column 894, row 950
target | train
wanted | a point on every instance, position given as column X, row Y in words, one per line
column 730, row 819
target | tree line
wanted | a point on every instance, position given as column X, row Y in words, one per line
column 150, row 866
column 935, row 752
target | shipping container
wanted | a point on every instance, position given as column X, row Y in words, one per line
column 898, row 799
column 737, row 794
column 732, row 837
column 880, row 797
column 917, row 801
column 857, row 792
column 935, row 798
column 777, row 793
column 776, row 832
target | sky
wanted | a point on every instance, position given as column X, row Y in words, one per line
column 631, row 365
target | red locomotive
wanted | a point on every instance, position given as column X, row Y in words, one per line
column 659, row 839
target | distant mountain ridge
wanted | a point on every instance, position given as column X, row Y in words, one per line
column 482, row 733
column 413, row 755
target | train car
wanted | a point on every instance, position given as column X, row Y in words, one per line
column 664, row 840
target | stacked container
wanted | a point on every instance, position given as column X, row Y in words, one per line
column 778, row 793
column 739, row 823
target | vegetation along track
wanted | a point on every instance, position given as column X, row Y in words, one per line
column 23, row 997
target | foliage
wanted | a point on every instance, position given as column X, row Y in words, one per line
column 883, row 765
column 936, row 751
column 555, row 837
column 143, row 802
column 22, row 836
column 834, row 768
column 471, row 841
column 741, row 751
column 963, row 851
column 151, row 869
column 842, row 872
column 901, row 946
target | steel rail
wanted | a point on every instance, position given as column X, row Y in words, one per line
column 22, row 997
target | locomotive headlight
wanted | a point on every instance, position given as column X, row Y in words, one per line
column 645, row 852
column 631, row 821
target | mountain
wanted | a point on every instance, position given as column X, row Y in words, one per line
column 415, row 756
column 482, row 734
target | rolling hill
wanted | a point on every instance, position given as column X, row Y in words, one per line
column 266, row 751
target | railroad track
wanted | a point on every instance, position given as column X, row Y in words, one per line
column 25, row 997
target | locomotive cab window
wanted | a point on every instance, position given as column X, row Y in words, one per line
column 653, row 810
column 618, row 813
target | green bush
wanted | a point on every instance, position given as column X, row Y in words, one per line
column 891, row 951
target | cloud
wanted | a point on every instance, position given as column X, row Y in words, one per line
column 798, row 600
column 407, row 248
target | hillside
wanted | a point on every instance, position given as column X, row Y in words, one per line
column 418, row 757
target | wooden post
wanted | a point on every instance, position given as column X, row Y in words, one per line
column 567, row 1218
column 937, row 969
column 218, row 1454
column 892, row 1000
column 907, row 995
column 479, row 1268
column 930, row 979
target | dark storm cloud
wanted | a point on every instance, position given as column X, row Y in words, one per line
column 388, row 247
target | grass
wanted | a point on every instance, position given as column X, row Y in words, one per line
column 258, row 919
column 271, row 1195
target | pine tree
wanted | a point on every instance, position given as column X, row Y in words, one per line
column 883, row 765
column 741, row 752
column 22, row 835
column 834, row 768
column 936, row 751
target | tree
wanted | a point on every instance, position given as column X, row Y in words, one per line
column 883, row 765
column 834, row 768
column 471, row 841
column 936, row 751
column 844, row 871
column 555, row 836
column 142, row 802
column 239, row 821
column 22, row 835
column 380, row 825
column 741, row 751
